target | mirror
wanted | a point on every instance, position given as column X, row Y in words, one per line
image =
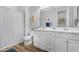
column 59, row 16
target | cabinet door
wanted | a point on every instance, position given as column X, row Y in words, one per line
column 50, row 41
column 60, row 45
column 1, row 44
column 50, row 45
column 73, row 46
column 36, row 41
column 40, row 40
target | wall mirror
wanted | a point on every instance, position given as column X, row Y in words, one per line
column 59, row 16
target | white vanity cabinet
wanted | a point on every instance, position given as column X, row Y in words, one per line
column 50, row 41
column 44, row 40
column 66, row 42
column 36, row 40
column 60, row 42
column 40, row 40
column 60, row 45
column 57, row 41
column 73, row 46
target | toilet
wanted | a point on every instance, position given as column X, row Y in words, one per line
column 28, row 40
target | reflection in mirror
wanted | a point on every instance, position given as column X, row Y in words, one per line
column 60, row 16
column 77, row 18
column 56, row 15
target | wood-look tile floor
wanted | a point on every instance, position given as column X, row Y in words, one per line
column 24, row 48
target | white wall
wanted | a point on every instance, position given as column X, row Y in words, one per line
column 35, row 11
column 74, row 15
column 51, row 14
column 21, row 8
column 25, row 10
column 16, row 8
column 12, row 7
column 11, row 27
column 71, row 16
column 27, row 20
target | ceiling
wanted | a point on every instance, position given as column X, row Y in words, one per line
column 51, row 8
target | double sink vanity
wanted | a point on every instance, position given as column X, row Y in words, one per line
column 58, row 29
column 57, row 39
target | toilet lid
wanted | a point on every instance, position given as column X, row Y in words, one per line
column 27, row 37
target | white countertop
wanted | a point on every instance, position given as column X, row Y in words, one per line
column 66, row 30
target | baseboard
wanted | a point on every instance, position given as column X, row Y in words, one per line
column 10, row 45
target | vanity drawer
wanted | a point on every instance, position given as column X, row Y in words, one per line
column 61, row 35
column 50, row 38
column 67, row 36
column 50, row 34
column 73, row 36
column 50, row 46
column 50, row 50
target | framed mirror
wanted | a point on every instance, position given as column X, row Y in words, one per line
column 61, row 18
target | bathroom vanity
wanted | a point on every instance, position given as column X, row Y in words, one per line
column 63, row 37
column 57, row 40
